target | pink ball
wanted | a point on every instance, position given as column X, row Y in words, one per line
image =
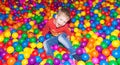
column 95, row 60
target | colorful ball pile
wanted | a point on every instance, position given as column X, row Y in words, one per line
column 95, row 25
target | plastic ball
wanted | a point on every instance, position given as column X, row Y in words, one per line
column 36, row 31
column 38, row 59
column 95, row 60
column 11, row 61
column 56, row 61
column 116, row 53
column 79, row 51
column 80, row 63
column 115, row 43
column 67, row 63
column 15, row 35
column 20, row 57
column 41, row 38
column 59, row 56
column 18, row 48
column 65, row 56
column 31, row 60
column 89, row 63
column 24, row 62
column 112, row 62
column 85, row 57
column 106, row 52
column 50, row 61
column 17, row 63
column 10, row 49
column 103, row 62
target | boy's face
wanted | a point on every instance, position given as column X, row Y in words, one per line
column 61, row 19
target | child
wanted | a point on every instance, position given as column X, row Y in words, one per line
column 59, row 28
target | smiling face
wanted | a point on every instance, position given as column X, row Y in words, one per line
column 61, row 19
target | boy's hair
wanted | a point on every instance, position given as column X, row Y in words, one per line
column 66, row 11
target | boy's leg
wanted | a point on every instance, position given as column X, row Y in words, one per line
column 62, row 38
column 48, row 43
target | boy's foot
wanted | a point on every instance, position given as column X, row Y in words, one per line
column 76, row 57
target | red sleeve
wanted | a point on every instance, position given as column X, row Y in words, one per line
column 67, row 30
column 45, row 29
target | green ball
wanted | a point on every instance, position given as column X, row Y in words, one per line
column 36, row 31
column 88, row 36
column 103, row 17
column 5, row 27
column 75, row 46
column 77, row 17
column 24, row 35
column 115, row 14
column 59, row 56
column 112, row 37
column 94, row 30
column 71, row 6
column 50, row 61
column 88, row 17
column 104, row 45
column 98, row 19
column 89, row 63
column 18, row 48
column 39, row 19
column 32, row 39
column 118, row 61
column 6, row 40
column 21, row 40
column 112, row 62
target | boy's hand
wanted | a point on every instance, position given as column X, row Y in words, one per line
column 68, row 37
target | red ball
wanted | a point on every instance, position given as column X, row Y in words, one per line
column 84, row 39
column 15, row 55
column 43, row 55
column 108, row 23
column 119, row 35
column 9, row 43
column 35, row 53
column 0, row 62
column 88, row 28
column 98, row 27
column 111, row 48
column 1, row 45
column 7, row 56
column 60, row 49
column 19, row 32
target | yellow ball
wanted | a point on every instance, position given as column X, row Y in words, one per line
column 111, row 58
column 76, row 23
column 33, row 45
column 15, row 35
column 24, row 61
column 55, row 53
column 87, row 24
column 26, row 55
column 102, row 21
column 80, row 63
column 76, row 29
column 96, row 11
column 115, row 43
column 7, row 33
column 83, row 13
column 10, row 49
column 39, row 45
column 31, row 23
column 43, row 62
column 1, row 38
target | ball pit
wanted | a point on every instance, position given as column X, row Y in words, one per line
column 95, row 27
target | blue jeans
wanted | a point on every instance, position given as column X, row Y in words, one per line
column 62, row 38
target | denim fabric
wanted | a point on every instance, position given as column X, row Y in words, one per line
column 62, row 38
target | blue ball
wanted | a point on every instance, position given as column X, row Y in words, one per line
column 20, row 57
column 38, row 59
column 1, row 28
column 15, row 44
column 40, row 50
column 48, row 36
column 73, row 20
column 41, row 38
column 103, row 62
column 85, row 57
column 107, row 41
column 67, row 63
column 25, row 44
column 17, row 63
column 116, row 53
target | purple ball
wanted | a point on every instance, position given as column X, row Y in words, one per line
column 65, row 56
column 55, row 47
column 118, row 27
column 31, row 60
column 102, row 57
column 2, row 54
column 56, row 61
column 83, row 44
column 99, row 48
column 79, row 51
column 103, row 35
column 36, row 63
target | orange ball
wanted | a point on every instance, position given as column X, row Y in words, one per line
column 84, row 32
column 91, row 40
column 30, row 34
column 90, row 45
column 106, row 52
column 11, row 61
column 94, row 53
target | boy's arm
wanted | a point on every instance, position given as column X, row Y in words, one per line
column 45, row 29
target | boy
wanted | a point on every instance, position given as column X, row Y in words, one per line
column 59, row 28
